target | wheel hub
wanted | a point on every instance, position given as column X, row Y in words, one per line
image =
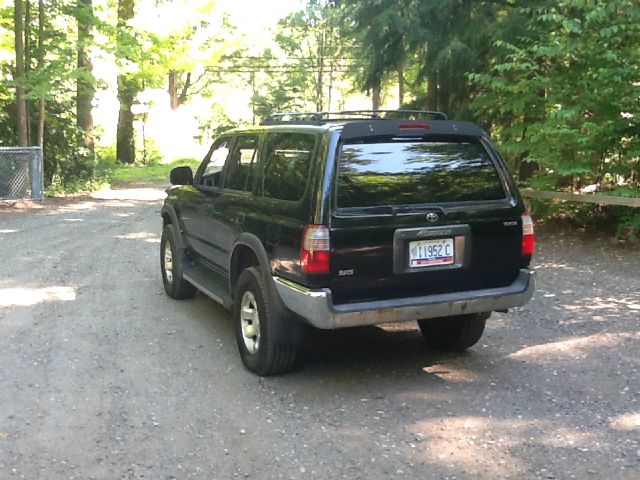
column 168, row 263
column 250, row 322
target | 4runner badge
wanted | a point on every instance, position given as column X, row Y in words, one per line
column 432, row 217
column 345, row 273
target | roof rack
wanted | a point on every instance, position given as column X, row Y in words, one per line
column 325, row 117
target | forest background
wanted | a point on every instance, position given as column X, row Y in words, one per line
column 104, row 83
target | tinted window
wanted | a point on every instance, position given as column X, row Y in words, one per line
column 214, row 161
column 238, row 173
column 286, row 167
column 401, row 173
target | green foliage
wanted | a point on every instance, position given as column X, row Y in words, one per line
column 63, row 156
column 434, row 43
column 65, row 159
column 563, row 101
column 152, row 173
column 629, row 227
column 566, row 97
column 111, row 173
column 311, row 63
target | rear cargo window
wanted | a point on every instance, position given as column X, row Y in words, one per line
column 405, row 173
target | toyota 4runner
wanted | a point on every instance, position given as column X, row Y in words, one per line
column 344, row 219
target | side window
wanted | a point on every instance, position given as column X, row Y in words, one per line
column 240, row 165
column 213, row 163
column 286, row 165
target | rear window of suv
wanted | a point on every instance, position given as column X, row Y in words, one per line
column 415, row 172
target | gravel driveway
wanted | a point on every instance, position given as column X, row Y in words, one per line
column 102, row 376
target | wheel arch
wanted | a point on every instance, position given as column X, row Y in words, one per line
column 170, row 218
column 248, row 251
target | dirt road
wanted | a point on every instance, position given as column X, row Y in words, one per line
column 102, row 376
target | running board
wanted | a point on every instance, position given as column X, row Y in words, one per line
column 210, row 283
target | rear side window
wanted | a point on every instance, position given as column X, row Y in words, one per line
column 286, row 165
column 405, row 173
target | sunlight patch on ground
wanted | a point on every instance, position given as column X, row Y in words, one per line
column 24, row 297
column 145, row 194
column 607, row 304
column 451, row 373
column 626, row 422
column 87, row 206
column 575, row 347
column 564, row 437
column 74, row 207
column 554, row 266
column 146, row 236
column 465, row 442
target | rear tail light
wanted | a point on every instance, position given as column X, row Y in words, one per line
column 528, row 237
column 315, row 252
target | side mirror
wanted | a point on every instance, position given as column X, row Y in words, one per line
column 181, row 176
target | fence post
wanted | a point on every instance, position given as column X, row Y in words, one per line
column 37, row 175
column 21, row 173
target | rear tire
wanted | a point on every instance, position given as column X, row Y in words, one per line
column 453, row 333
column 172, row 262
column 262, row 348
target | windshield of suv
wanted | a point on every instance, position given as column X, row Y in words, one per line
column 415, row 172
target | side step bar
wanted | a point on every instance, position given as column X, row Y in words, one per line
column 210, row 283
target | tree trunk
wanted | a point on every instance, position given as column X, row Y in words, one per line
column 432, row 81
column 125, row 142
column 320, row 74
column 185, row 89
column 173, row 89
column 85, row 89
column 432, row 91
column 41, row 105
column 21, row 104
column 376, row 98
column 444, row 93
column 127, row 91
column 400, row 86
column 27, row 61
column 332, row 68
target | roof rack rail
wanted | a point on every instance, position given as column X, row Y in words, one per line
column 324, row 117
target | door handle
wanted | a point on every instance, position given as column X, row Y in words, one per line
column 206, row 208
column 273, row 235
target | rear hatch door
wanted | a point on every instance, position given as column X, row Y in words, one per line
column 420, row 209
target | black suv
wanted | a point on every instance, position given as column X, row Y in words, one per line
column 344, row 219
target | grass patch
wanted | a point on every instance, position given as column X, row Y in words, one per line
column 153, row 173
column 110, row 173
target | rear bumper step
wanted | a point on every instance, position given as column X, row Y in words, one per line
column 316, row 306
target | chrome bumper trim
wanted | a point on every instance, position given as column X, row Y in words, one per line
column 316, row 306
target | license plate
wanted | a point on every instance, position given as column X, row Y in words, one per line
column 426, row 253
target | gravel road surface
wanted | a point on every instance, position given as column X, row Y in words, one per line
column 102, row 376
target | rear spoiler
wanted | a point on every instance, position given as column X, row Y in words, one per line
column 409, row 128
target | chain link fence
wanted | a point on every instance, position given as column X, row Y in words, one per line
column 21, row 173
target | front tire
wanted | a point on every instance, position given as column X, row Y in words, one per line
column 453, row 333
column 172, row 261
column 261, row 347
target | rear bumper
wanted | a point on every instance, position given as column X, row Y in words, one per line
column 316, row 306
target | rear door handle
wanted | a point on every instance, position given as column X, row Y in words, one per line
column 273, row 235
column 207, row 207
